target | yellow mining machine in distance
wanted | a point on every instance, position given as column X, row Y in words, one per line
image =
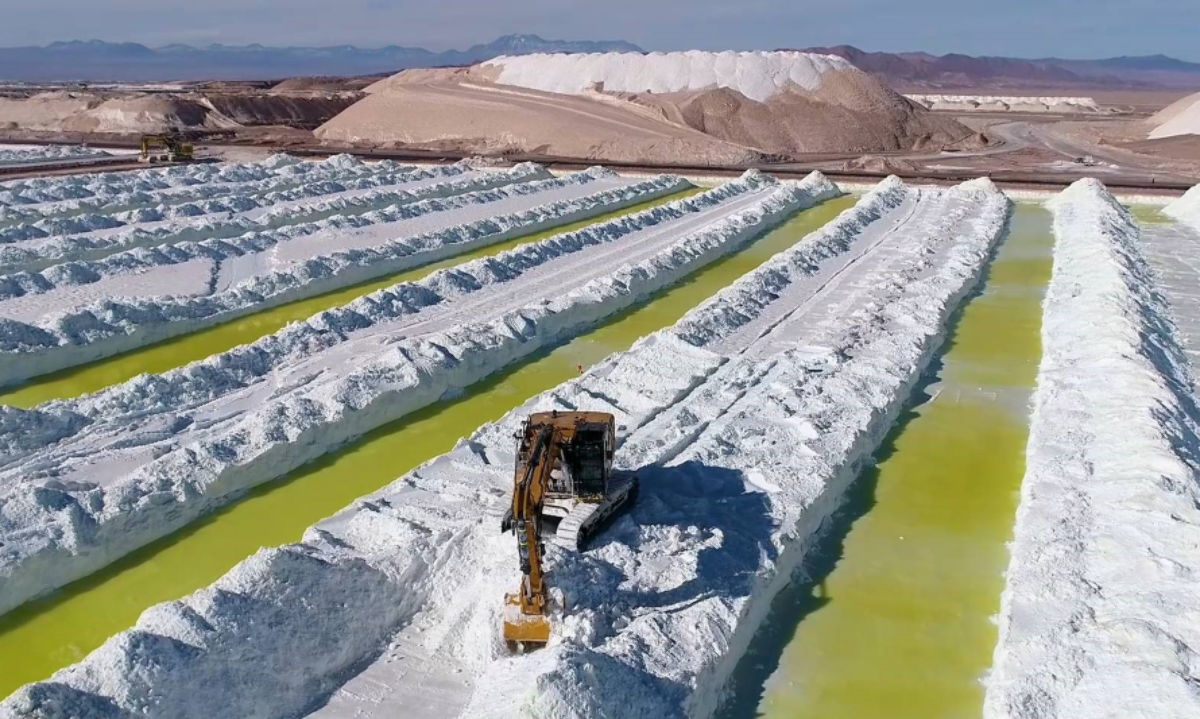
column 165, row 148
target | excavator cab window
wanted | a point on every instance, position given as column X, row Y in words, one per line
column 586, row 462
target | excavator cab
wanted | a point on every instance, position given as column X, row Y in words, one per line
column 564, row 472
column 586, row 463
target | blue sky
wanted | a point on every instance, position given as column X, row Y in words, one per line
column 1069, row 28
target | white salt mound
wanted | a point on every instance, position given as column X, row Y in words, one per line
column 1180, row 118
column 1006, row 102
column 1187, row 208
column 757, row 75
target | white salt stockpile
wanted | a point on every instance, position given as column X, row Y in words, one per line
column 757, row 75
column 1006, row 103
column 1187, row 208
column 1179, row 118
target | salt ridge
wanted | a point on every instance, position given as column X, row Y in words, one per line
column 34, row 196
column 675, row 657
column 46, row 153
column 89, row 202
column 318, row 200
column 55, row 532
column 1100, row 615
column 372, row 569
column 119, row 324
column 140, row 206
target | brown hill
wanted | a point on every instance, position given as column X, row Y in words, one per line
column 472, row 109
column 131, row 112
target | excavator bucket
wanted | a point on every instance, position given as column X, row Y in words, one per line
column 522, row 628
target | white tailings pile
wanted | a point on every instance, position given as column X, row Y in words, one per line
column 1187, row 208
column 32, row 154
column 741, row 457
column 1004, row 103
column 1179, row 118
column 1101, row 614
column 89, row 480
column 40, row 247
column 757, row 75
column 81, row 311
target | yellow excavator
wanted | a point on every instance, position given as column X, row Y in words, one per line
column 563, row 473
column 165, row 148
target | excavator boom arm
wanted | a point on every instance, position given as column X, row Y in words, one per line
column 528, row 493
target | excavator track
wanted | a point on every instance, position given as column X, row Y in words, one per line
column 586, row 518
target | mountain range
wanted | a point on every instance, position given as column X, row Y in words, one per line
column 98, row 61
column 918, row 70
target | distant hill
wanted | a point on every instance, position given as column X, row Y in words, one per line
column 98, row 61
column 911, row 70
column 1156, row 70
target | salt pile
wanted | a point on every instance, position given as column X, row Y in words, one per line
column 1006, row 103
column 1187, row 208
column 757, row 75
column 726, row 108
column 1180, row 118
